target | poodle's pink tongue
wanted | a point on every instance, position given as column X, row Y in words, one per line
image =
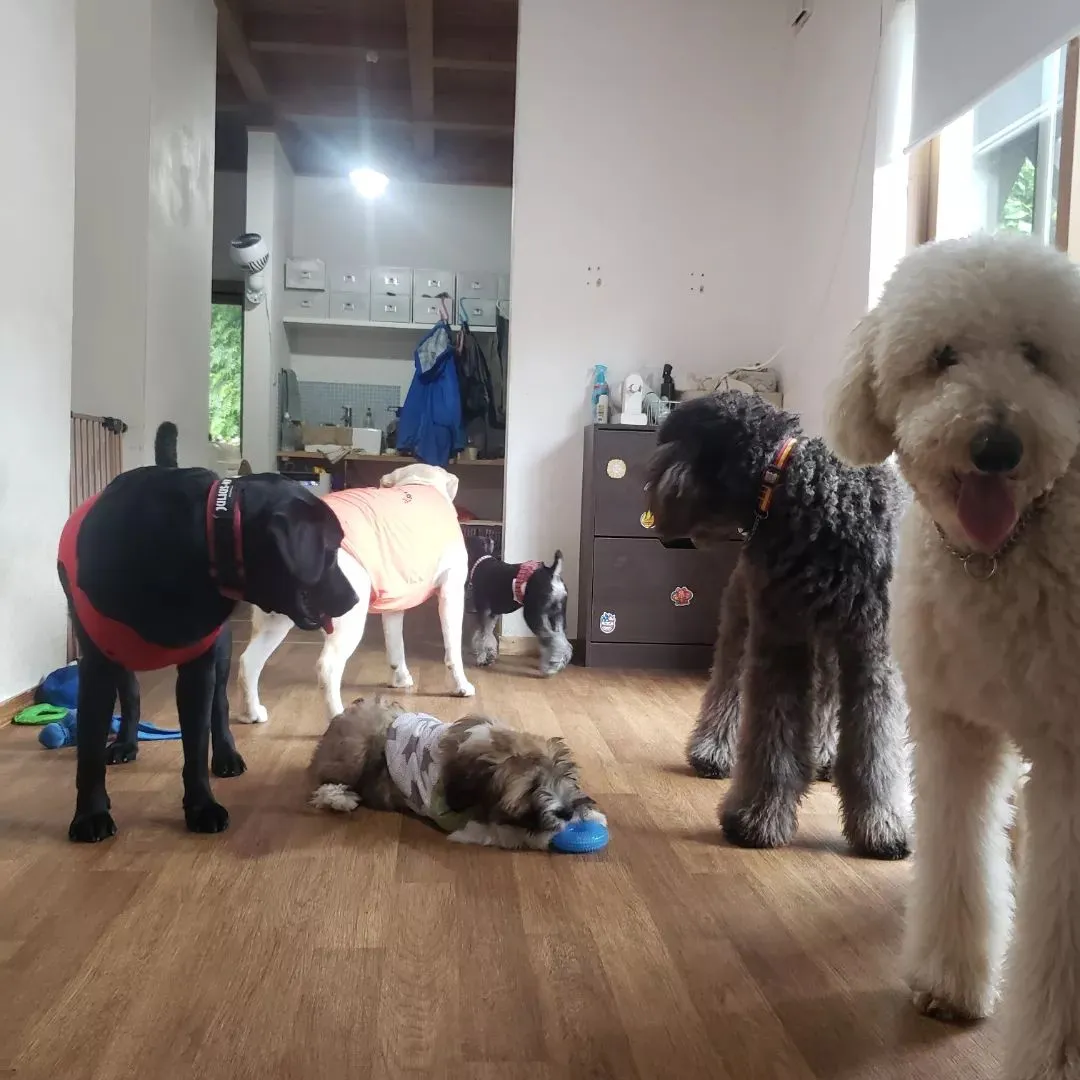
column 986, row 510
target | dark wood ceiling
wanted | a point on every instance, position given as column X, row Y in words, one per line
column 423, row 89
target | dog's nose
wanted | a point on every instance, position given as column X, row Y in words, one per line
column 996, row 449
column 564, row 813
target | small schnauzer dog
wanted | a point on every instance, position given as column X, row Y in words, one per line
column 803, row 683
column 499, row 588
column 476, row 779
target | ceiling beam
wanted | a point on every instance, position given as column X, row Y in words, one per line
column 238, row 53
column 420, row 25
column 317, row 35
column 453, row 115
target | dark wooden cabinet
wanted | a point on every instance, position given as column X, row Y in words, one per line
column 642, row 603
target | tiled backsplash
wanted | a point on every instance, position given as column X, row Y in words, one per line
column 322, row 402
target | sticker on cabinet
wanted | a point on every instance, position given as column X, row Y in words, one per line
column 681, row 596
column 607, row 622
column 616, row 468
column 647, row 520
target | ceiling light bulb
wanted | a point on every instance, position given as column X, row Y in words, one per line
column 368, row 182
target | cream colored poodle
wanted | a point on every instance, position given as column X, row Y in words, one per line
column 969, row 371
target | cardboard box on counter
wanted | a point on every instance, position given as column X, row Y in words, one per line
column 326, row 435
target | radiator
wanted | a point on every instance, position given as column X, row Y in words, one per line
column 96, row 458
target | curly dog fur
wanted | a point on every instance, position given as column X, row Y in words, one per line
column 802, row 655
column 969, row 371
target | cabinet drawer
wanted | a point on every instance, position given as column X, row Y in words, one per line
column 306, row 303
column 620, row 461
column 427, row 284
column 479, row 312
column 347, row 277
column 386, row 307
column 305, row 274
column 473, row 284
column 643, row 592
column 354, row 306
column 391, row 279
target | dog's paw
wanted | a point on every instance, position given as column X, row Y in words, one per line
column 465, row 689
column 486, row 657
column 767, row 826
column 120, row 753
column 878, row 835
column 592, row 814
column 335, row 797
column 227, row 762
column 91, row 828
column 939, row 1007
column 257, row 715
column 710, row 758
column 209, row 817
column 400, row 679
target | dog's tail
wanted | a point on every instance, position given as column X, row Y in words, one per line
column 556, row 565
column 165, row 445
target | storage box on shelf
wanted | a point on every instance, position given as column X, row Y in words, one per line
column 641, row 603
column 305, row 273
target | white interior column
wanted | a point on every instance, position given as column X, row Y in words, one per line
column 37, row 115
column 266, row 347
column 144, row 168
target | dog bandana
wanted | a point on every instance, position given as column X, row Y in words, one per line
column 412, row 759
column 117, row 641
column 399, row 535
column 521, row 579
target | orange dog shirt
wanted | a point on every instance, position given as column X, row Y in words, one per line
column 399, row 536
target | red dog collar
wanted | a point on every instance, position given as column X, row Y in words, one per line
column 225, row 538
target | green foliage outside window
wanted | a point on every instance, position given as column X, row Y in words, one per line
column 226, row 371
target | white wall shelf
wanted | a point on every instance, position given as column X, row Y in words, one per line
column 367, row 324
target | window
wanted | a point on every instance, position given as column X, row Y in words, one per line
column 226, row 380
column 999, row 165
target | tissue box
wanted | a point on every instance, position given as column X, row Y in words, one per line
column 326, row 435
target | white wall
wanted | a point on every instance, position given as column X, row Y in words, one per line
column 266, row 348
column 647, row 143
column 437, row 226
column 37, row 115
column 230, row 211
column 828, row 161
column 144, row 218
column 181, row 222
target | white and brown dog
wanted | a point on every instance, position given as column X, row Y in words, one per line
column 402, row 544
column 479, row 781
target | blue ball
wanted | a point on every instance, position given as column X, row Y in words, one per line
column 580, row 838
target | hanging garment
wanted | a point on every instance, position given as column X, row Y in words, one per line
column 429, row 424
column 477, row 392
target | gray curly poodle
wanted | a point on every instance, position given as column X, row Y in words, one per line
column 802, row 654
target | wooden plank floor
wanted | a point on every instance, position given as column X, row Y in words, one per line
column 303, row 945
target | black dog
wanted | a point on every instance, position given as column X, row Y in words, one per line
column 802, row 655
column 152, row 568
column 499, row 588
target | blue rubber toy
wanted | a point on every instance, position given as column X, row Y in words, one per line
column 66, row 732
column 580, row 838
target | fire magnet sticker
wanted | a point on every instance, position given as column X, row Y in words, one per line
column 647, row 520
column 616, row 468
column 682, row 596
column 607, row 623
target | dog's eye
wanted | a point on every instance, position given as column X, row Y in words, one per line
column 945, row 357
column 1032, row 354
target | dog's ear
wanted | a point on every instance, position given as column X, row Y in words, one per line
column 562, row 759
column 855, row 429
column 306, row 535
column 452, row 483
column 556, row 565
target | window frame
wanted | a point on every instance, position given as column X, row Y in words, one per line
column 924, row 173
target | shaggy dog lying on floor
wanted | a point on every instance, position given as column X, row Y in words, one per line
column 969, row 371
column 802, row 656
column 477, row 780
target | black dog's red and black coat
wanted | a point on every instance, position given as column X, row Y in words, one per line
column 153, row 567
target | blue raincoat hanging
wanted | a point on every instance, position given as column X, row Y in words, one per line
column 429, row 424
